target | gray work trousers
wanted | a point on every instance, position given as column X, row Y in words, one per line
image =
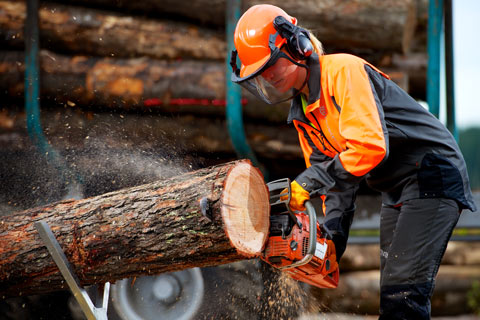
column 413, row 239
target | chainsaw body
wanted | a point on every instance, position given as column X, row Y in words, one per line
column 297, row 244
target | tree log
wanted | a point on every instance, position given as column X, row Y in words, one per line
column 376, row 24
column 99, row 33
column 144, row 230
column 114, row 82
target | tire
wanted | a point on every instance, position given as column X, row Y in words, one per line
column 176, row 295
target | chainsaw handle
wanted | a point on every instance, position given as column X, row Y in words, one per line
column 312, row 219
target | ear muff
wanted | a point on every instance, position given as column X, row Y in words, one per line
column 298, row 43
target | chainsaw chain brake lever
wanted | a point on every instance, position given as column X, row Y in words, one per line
column 280, row 195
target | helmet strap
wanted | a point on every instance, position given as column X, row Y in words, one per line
column 233, row 61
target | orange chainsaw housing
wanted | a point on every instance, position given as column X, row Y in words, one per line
column 281, row 251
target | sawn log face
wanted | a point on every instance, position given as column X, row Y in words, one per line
column 143, row 230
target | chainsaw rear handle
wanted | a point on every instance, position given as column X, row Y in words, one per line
column 312, row 239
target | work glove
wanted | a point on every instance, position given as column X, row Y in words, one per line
column 299, row 196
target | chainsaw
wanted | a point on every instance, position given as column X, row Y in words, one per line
column 297, row 244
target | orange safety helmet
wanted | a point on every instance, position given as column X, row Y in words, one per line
column 260, row 35
column 252, row 34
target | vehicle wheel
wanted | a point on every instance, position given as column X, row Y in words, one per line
column 175, row 295
column 245, row 290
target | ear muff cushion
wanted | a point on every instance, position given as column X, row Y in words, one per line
column 298, row 43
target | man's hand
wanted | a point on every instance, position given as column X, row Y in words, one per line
column 299, row 196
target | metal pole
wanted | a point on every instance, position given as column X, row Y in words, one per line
column 86, row 304
column 233, row 91
column 32, row 103
column 450, row 69
column 31, row 73
column 435, row 17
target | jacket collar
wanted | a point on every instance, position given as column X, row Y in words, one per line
column 296, row 110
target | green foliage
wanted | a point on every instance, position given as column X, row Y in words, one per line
column 473, row 297
column 469, row 142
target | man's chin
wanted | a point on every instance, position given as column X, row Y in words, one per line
column 283, row 90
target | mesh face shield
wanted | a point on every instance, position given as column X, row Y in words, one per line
column 271, row 91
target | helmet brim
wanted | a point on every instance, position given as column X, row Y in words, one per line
column 249, row 70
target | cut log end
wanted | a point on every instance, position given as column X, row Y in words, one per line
column 245, row 209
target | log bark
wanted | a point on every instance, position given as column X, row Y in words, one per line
column 100, row 33
column 144, row 230
column 377, row 24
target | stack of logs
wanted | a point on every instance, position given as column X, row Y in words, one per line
column 359, row 290
column 169, row 57
column 127, row 60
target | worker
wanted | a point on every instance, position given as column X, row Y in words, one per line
column 354, row 123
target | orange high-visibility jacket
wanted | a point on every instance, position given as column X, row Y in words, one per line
column 359, row 124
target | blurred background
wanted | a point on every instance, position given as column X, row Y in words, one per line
column 98, row 95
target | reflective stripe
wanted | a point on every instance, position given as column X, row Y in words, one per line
column 306, row 148
column 304, row 107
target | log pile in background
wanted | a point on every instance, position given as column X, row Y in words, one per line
column 138, row 84
column 144, row 230
column 359, row 287
column 196, row 135
column 367, row 24
column 88, row 31
column 181, row 32
column 372, row 24
column 113, row 82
